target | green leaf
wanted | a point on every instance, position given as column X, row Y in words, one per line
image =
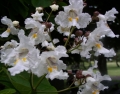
column 17, row 8
column 44, row 86
column 7, row 91
column 41, row 3
column 22, row 85
column 19, row 83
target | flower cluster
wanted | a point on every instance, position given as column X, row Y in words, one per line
column 25, row 56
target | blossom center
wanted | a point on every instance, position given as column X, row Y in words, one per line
column 52, row 63
column 34, row 35
column 95, row 92
column 98, row 45
column 73, row 15
column 8, row 30
column 24, row 59
column 16, row 61
column 23, row 53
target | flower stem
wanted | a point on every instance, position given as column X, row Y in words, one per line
column 58, row 91
column 39, row 81
column 72, row 29
column 49, row 16
column 73, row 48
column 51, row 37
column 31, row 81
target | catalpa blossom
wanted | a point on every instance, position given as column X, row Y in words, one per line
column 22, row 57
column 109, row 15
column 73, row 16
column 93, row 83
column 37, row 33
column 7, row 49
column 11, row 27
column 54, row 66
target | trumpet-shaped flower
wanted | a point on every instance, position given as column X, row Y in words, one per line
column 11, row 29
column 73, row 16
column 109, row 15
column 22, row 57
column 7, row 49
column 54, row 66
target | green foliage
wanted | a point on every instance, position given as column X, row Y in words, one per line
column 7, row 91
column 21, row 83
column 41, row 3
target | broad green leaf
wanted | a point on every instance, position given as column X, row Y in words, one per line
column 19, row 84
column 41, row 3
column 22, row 85
column 44, row 86
column 8, row 91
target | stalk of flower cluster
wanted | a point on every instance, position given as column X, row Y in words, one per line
column 71, row 31
column 31, row 82
column 73, row 48
column 51, row 37
column 58, row 90
column 49, row 16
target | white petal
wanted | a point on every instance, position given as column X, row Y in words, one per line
column 5, row 34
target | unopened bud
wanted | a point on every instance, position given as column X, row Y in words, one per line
column 96, row 13
column 79, row 74
column 95, row 18
column 79, row 33
column 54, row 7
column 84, row 4
column 87, row 34
column 48, row 24
column 65, row 39
column 15, row 23
column 39, row 9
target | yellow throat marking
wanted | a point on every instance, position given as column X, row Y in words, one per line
column 34, row 35
column 98, row 45
column 8, row 30
column 24, row 59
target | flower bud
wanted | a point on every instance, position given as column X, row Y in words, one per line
column 95, row 18
column 54, row 7
column 39, row 9
column 15, row 23
column 48, row 24
column 65, row 39
column 87, row 34
column 84, row 4
column 79, row 33
column 96, row 13
column 79, row 74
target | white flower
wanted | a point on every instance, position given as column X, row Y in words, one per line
column 15, row 23
column 37, row 16
column 54, row 66
column 21, row 57
column 55, row 41
column 11, row 29
column 7, row 49
column 111, row 53
column 109, row 15
column 54, row 7
column 73, row 16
